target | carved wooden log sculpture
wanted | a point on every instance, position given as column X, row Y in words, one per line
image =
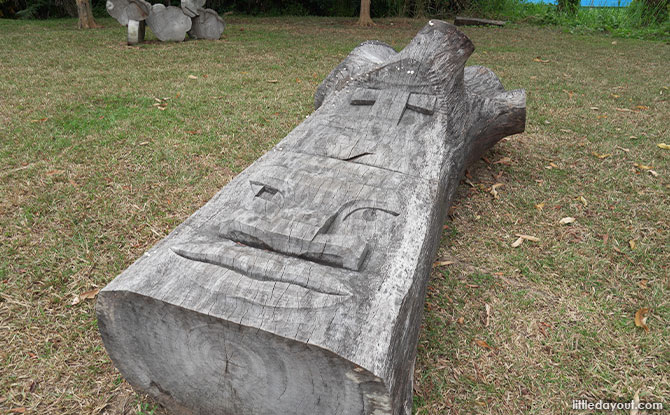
column 168, row 23
column 207, row 25
column 299, row 288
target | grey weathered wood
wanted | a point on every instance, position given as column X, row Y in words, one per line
column 168, row 23
column 125, row 10
column 299, row 288
column 136, row 32
column 364, row 57
column 207, row 25
column 473, row 21
column 192, row 8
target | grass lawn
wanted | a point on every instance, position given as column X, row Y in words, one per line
column 105, row 148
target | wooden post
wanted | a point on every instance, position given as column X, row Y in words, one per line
column 299, row 288
column 135, row 32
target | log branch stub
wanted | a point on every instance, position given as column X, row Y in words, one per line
column 473, row 21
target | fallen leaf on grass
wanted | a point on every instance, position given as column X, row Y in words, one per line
column 622, row 149
column 442, row 263
column 40, row 120
column 522, row 238
column 488, row 314
column 460, row 321
column 641, row 318
column 595, row 108
column 653, row 173
column 539, row 206
column 643, row 166
column 567, row 220
column 88, row 295
column 517, row 243
column 21, row 410
column 507, row 161
column 583, row 200
column 272, row 81
column 528, row 237
column 540, row 60
column 631, row 243
column 601, row 156
column 493, row 190
column 642, row 107
column 483, row 344
column 624, row 110
column 192, row 77
column 663, row 146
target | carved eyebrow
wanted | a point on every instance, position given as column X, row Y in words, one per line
column 422, row 103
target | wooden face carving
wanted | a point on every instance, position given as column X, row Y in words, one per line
column 332, row 196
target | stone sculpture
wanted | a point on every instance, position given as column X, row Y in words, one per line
column 167, row 23
column 299, row 288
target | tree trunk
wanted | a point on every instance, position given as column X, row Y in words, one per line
column 364, row 17
column 85, row 12
column 299, row 288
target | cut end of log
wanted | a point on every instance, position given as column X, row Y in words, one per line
column 216, row 366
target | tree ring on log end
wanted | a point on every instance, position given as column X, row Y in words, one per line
column 221, row 367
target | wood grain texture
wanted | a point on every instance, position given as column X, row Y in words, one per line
column 299, row 288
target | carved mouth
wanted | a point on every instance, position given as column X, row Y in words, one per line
column 295, row 283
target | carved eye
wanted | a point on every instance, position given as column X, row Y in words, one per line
column 263, row 191
column 364, row 97
column 369, row 215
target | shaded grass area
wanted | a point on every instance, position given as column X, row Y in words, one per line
column 93, row 172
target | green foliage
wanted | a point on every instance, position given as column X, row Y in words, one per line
column 568, row 6
column 643, row 19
